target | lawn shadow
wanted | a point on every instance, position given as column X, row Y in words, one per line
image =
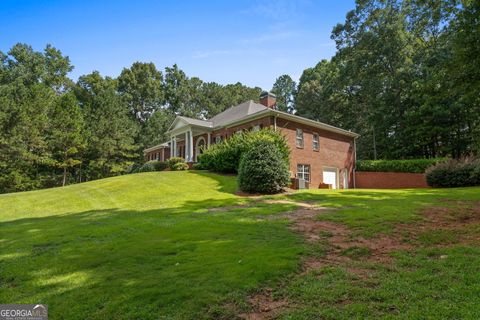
column 113, row 263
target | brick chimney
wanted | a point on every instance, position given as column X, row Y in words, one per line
column 268, row 99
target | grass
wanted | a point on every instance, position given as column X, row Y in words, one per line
column 182, row 245
column 139, row 246
column 439, row 278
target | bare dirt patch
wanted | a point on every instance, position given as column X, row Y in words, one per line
column 343, row 247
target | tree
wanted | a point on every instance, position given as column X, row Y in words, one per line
column 110, row 128
column 29, row 84
column 66, row 137
column 284, row 88
column 142, row 87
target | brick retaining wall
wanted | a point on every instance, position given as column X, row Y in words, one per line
column 389, row 180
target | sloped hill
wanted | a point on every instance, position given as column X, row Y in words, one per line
column 138, row 246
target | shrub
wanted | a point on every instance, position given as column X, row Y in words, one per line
column 159, row 165
column 413, row 165
column 147, row 167
column 454, row 173
column 225, row 156
column 263, row 169
column 174, row 160
column 198, row 166
column 179, row 166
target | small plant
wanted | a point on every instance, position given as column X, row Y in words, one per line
column 263, row 169
column 147, row 167
column 179, row 166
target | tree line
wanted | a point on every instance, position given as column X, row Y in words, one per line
column 55, row 131
column 406, row 76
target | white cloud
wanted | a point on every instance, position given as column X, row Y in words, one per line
column 210, row 53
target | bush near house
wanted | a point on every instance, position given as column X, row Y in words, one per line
column 263, row 169
column 225, row 156
column 411, row 165
column 173, row 161
column 148, row 167
column 179, row 166
column 454, row 173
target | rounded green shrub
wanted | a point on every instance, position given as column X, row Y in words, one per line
column 174, row 160
column 454, row 173
column 263, row 169
column 179, row 166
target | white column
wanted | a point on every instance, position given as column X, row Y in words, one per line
column 208, row 139
column 171, row 146
column 187, row 156
column 190, row 144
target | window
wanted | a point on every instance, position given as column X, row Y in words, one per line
column 256, row 128
column 303, row 171
column 299, row 138
column 218, row 139
column 316, row 144
column 157, row 156
column 238, row 131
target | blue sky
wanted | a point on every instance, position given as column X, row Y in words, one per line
column 251, row 41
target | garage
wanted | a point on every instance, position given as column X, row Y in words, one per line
column 330, row 176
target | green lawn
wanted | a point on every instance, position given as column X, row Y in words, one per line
column 160, row 246
column 138, row 246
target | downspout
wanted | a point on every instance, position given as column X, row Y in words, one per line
column 355, row 161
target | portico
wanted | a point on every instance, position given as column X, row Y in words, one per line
column 183, row 132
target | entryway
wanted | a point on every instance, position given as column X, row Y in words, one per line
column 330, row 176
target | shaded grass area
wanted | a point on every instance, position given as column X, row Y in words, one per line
column 140, row 246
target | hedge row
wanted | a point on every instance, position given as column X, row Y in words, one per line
column 412, row 166
column 454, row 173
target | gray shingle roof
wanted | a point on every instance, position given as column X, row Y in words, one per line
column 196, row 122
column 236, row 113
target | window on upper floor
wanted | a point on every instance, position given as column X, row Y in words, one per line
column 303, row 171
column 316, row 142
column 299, row 138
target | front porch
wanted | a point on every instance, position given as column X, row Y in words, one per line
column 188, row 142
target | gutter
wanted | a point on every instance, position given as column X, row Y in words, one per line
column 354, row 162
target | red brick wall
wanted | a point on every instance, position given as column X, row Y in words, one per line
column 159, row 151
column 336, row 151
column 228, row 132
column 390, row 180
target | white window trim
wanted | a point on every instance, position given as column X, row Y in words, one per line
column 313, row 141
column 303, row 172
column 299, row 140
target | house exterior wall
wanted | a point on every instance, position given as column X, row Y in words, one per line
column 151, row 155
column 336, row 151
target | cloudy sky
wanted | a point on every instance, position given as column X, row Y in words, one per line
column 224, row 41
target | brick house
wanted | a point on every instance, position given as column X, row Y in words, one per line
column 321, row 154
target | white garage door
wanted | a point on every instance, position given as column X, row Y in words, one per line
column 330, row 177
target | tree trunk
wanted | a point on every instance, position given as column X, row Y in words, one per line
column 64, row 176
